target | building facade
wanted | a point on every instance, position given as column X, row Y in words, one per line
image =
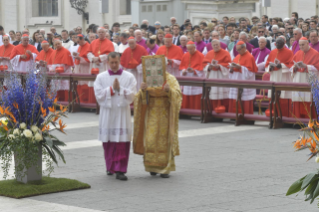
column 44, row 14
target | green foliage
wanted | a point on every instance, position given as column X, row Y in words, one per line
column 309, row 183
column 12, row 188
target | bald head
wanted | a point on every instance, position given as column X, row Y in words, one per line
column 280, row 42
column 191, row 48
column 304, row 45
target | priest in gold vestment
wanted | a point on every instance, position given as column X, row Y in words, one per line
column 156, row 114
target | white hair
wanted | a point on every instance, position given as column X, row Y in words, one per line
column 263, row 38
column 298, row 30
column 101, row 28
column 157, row 22
column 137, row 31
column 275, row 26
column 286, row 19
column 215, row 40
column 145, row 21
column 243, row 33
column 172, row 18
column 183, row 36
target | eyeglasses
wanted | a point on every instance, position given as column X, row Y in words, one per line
column 291, row 28
column 295, row 34
column 214, row 21
column 260, row 31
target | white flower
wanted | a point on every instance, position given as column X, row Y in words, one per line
column 317, row 159
column 16, row 132
column 27, row 133
column 11, row 137
column 23, row 126
column 38, row 137
column 34, row 128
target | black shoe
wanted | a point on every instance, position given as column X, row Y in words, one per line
column 153, row 173
column 121, row 176
column 109, row 173
column 164, row 175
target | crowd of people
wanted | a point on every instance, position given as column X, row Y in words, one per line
column 286, row 49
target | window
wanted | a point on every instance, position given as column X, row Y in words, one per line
column 125, row 7
column 45, row 8
column 144, row 8
column 164, row 7
column 150, row 8
column 158, row 8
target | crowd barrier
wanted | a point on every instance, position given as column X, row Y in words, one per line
column 206, row 112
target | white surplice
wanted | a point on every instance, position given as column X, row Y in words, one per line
column 300, row 77
column 102, row 67
column 281, row 75
column 18, row 65
column 248, row 94
column 82, row 68
column 192, row 90
column 68, row 45
column 115, row 115
column 173, row 69
column 138, row 74
column 217, row 93
column 61, row 84
column 122, row 47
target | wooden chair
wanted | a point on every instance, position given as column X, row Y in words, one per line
column 263, row 93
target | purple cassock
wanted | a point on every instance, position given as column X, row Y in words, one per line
column 261, row 53
column 183, row 48
column 209, row 46
column 249, row 47
column 295, row 47
column 142, row 42
column 116, row 154
column 315, row 46
column 200, row 46
column 152, row 51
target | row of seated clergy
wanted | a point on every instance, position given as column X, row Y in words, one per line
column 279, row 64
column 215, row 65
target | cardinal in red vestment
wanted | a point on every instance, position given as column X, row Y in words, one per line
column 97, row 55
column 192, row 66
column 61, row 59
column 306, row 61
column 216, row 63
column 5, row 52
column 44, row 56
column 173, row 54
column 23, row 55
column 243, row 67
column 82, row 66
column 131, row 60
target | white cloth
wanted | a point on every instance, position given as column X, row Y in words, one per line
column 116, row 47
column 74, row 49
column 115, row 115
column 218, row 92
column 261, row 65
column 192, row 90
column 174, row 68
column 82, row 68
column 248, row 94
column 122, row 47
column 1, row 43
column 102, row 67
column 138, row 74
column 205, row 51
column 61, row 84
column 22, row 65
column 68, row 45
column 300, row 77
column 282, row 75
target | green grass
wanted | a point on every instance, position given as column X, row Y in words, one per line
column 12, row 188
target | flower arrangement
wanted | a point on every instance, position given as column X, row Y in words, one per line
column 309, row 140
column 29, row 116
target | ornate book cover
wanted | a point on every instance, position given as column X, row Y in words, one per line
column 154, row 70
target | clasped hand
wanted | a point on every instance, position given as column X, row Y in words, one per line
column 116, row 85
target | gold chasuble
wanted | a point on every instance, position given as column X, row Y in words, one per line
column 156, row 126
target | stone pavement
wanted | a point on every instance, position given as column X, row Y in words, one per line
column 221, row 168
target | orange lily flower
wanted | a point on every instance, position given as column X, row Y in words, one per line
column 1, row 110
column 52, row 109
column 5, row 128
column 310, row 124
column 6, row 111
column 45, row 127
column 15, row 105
column 313, row 147
column 297, row 144
column 55, row 118
column 13, row 118
column 55, row 100
column 62, row 126
column 43, row 111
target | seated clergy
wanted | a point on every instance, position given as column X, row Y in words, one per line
column 173, row 54
column 192, row 66
column 5, row 52
column 216, row 64
column 44, row 56
column 307, row 61
column 243, row 67
column 82, row 66
column 131, row 60
column 61, row 60
column 23, row 55
column 278, row 64
column 261, row 53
